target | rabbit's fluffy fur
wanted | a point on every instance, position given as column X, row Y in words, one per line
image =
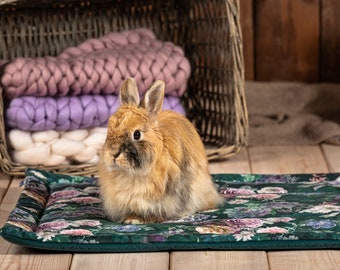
column 153, row 165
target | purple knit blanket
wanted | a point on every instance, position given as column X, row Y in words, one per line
column 99, row 66
column 68, row 113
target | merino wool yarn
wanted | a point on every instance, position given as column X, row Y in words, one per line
column 68, row 113
column 99, row 66
column 51, row 148
column 57, row 107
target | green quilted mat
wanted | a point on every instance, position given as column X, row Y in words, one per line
column 261, row 212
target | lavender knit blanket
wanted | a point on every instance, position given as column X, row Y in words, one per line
column 68, row 113
column 99, row 66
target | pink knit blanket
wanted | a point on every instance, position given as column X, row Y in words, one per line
column 68, row 113
column 99, row 66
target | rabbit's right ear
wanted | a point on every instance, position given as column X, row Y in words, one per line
column 129, row 93
column 153, row 99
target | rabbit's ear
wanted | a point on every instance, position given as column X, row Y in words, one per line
column 129, row 93
column 153, row 98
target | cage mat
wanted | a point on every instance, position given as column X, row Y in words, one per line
column 261, row 212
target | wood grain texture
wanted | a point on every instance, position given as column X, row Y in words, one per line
column 332, row 155
column 4, row 183
column 216, row 260
column 296, row 260
column 287, row 159
column 287, row 40
column 247, row 27
column 137, row 261
column 235, row 164
column 330, row 41
column 33, row 262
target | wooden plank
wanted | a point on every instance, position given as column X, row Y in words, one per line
column 206, row 260
column 332, row 155
column 330, row 41
column 287, row 159
column 7, row 205
column 156, row 261
column 287, row 40
column 294, row 260
column 247, row 27
column 33, row 262
column 235, row 164
column 4, row 184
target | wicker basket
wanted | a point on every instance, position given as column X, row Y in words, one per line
column 209, row 31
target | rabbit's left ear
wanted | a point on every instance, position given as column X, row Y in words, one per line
column 129, row 93
column 153, row 98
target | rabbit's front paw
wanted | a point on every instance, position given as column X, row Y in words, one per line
column 133, row 221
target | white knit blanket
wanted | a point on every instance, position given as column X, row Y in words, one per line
column 51, row 148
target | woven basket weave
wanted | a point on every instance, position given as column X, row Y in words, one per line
column 208, row 31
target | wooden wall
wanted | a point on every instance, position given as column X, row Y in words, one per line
column 291, row 40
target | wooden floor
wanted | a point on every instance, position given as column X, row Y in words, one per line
column 276, row 159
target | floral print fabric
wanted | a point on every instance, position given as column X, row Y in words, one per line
column 64, row 212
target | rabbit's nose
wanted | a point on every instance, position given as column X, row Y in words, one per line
column 116, row 154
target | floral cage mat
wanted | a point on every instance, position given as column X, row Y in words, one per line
column 261, row 212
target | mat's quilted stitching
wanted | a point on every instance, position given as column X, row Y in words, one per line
column 67, row 209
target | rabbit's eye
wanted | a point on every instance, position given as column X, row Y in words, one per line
column 137, row 135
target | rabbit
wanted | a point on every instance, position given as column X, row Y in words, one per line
column 153, row 165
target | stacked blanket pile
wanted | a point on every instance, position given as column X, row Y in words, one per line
column 59, row 106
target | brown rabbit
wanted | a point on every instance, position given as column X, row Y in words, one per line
column 153, row 165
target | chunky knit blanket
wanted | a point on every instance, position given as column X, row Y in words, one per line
column 52, row 148
column 99, row 66
column 58, row 107
column 68, row 113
